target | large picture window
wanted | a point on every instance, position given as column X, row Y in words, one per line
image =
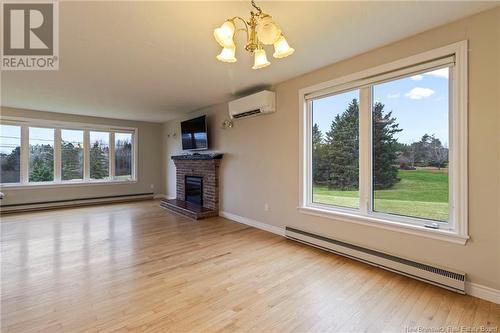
column 32, row 153
column 386, row 147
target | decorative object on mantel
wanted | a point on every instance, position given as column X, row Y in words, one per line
column 197, row 189
column 227, row 124
column 261, row 30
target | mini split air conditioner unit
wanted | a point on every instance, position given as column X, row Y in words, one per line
column 253, row 105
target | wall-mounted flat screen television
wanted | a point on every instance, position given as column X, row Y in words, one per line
column 194, row 134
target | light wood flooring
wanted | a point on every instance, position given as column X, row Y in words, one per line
column 136, row 267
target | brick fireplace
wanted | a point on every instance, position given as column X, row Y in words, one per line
column 197, row 189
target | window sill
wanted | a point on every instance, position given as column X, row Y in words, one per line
column 439, row 234
column 64, row 184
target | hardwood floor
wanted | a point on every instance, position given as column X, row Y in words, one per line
column 136, row 267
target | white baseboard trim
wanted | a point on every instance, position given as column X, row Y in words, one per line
column 483, row 292
column 256, row 224
column 25, row 207
column 163, row 196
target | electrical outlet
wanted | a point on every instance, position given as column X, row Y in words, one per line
column 266, row 207
column 152, row 186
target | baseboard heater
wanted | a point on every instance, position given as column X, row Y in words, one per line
column 445, row 278
column 78, row 202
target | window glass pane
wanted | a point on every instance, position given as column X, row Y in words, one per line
column 71, row 154
column 99, row 155
column 410, row 146
column 335, row 151
column 123, row 155
column 41, row 154
column 10, row 153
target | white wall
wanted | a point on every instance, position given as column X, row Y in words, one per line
column 262, row 155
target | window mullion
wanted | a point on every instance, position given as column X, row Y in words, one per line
column 57, row 155
column 112, row 155
column 24, row 162
column 308, row 198
column 86, row 155
column 365, row 143
column 134, row 156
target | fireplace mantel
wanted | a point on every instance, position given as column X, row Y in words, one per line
column 205, row 166
column 197, row 157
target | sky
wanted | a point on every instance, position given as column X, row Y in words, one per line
column 419, row 102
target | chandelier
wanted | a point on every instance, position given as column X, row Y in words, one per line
column 261, row 30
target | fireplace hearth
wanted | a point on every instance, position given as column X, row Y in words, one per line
column 197, row 178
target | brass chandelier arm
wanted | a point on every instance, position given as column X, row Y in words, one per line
column 244, row 22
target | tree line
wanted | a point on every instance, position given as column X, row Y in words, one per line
column 42, row 161
column 335, row 154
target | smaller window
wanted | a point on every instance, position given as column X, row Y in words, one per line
column 41, row 154
column 71, row 155
column 99, row 155
column 123, row 156
column 335, row 150
column 10, row 153
column 410, row 146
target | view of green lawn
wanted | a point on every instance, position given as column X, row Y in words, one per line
column 420, row 193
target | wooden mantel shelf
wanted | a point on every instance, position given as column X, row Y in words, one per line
column 196, row 157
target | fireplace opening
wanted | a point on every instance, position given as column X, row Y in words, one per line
column 194, row 190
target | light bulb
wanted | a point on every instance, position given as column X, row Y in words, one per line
column 224, row 34
column 260, row 59
column 227, row 54
column 281, row 48
column 268, row 31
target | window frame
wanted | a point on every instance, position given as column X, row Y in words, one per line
column 456, row 229
column 26, row 123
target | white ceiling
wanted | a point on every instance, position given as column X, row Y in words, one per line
column 154, row 61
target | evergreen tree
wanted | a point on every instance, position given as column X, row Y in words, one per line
column 320, row 170
column 342, row 149
column 317, row 136
column 71, row 161
column 42, row 163
column 10, row 164
column 385, row 147
column 41, row 172
column 336, row 157
column 99, row 161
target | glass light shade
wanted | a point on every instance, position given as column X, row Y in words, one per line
column 281, row 48
column 224, row 34
column 227, row 54
column 268, row 31
column 260, row 59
